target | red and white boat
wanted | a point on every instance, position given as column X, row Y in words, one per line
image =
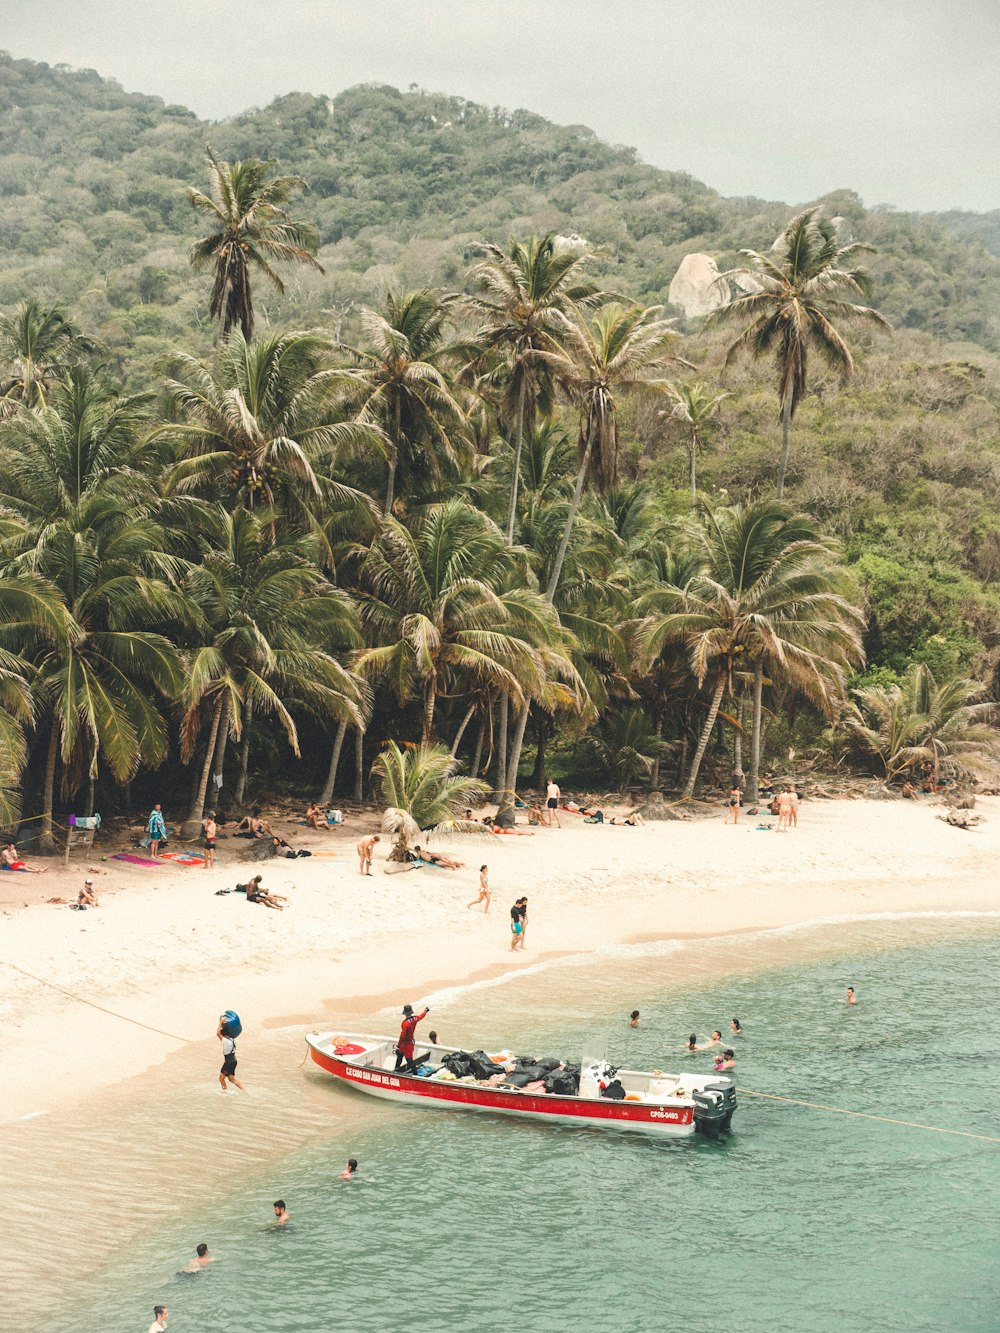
column 664, row 1105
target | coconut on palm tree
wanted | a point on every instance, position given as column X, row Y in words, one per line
column 800, row 294
column 767, row 591
column 421, row 789
column 252, row 231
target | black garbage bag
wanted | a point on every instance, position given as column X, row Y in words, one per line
column 458, row 1063
column 563, row 1082
column 614, row 1091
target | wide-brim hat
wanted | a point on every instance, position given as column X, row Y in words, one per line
column 407, row 1010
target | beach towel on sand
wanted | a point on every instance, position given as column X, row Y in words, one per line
column 184, row 858
column 134, row 860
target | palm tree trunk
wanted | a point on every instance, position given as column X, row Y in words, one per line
column 786, row 421
column 538, row 776
column 326, row 795
column 738, row 738
column 241, row 781
column 516, row 475
column 503, row 724
column 390, row 488
column 654, row 773
column 581, row 477
column 359, row 765
column 46, row 842
column 694, row 470
column 477, row 754
column 514, row 762
column 461, row 729
column 220, row 749
column 191, row 825
column 753, row 779
column 706, row 733
column 430, row 699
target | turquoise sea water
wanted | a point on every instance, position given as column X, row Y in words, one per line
column 801, row 1220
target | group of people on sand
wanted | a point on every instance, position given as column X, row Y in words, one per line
column 784, row 804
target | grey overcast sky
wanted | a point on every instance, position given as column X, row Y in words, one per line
column 784, row 99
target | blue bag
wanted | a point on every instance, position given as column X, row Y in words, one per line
column 231, row 1025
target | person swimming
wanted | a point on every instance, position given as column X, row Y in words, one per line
column 633, row 1018
column 735, row 1027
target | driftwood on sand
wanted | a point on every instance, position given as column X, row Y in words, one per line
column 961, row 819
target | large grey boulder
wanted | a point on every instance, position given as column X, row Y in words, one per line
column 698, row 287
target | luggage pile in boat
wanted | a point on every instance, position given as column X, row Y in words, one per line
column 522, row 1072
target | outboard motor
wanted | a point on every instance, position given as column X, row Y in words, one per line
column 714, row 1106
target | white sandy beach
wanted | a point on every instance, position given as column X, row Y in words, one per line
column 164, row 949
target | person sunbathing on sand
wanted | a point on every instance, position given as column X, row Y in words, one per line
column 438, row 859
column 510, row 832
column 9, row 860
column 253, row 826
column 632, row 820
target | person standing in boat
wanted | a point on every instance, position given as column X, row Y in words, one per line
column 407, row 1039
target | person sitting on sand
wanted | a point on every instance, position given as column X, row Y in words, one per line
column 253, row 826
column 315, row 817
column 87, row 897
column 909, row 791
column 9, row 860
column 257, row 894
column 437, row 859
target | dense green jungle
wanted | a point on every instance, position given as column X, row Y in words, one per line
column 469, row 483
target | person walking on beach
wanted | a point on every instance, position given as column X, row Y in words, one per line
column 518, row 913
column 793, row 806
column 484, row 890
column 157, row 829
column 523, row 904
column 735, row 797
column 784, row 810
column 211, row 830
column 281, row 1213
column 227, row 1074
column 552, row 795
column 366, row 849
column 407, row 1039
column 160, row 1316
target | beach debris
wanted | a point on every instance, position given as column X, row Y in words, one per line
column 656, row 808
column 959, row 818
column 878, row 791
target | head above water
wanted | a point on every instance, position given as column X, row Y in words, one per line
column 279, row 1205
column 693, row 1040
column 159, row 1311
column 716, row 1035
column 202, row 1250
column 634, row 1014
column 352, row 1164
column 736, row 1025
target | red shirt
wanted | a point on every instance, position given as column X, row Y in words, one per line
column 407, row 1033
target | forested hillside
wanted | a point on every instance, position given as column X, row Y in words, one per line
column 425, row 520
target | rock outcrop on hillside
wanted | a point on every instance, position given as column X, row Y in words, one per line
column 698, row 287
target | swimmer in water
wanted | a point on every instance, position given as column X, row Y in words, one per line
column 716, row 1039
column 692, row 1043
column 727, row 1060
column 281, row 1213
column 201, row 1260
column 350, row 1169
column 850, row 996
column 633, row 1018
column 735, row 1027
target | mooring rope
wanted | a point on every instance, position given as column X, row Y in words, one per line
column 866, row 1115
column 80, row 999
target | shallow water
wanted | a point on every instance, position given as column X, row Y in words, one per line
column 801, row 1220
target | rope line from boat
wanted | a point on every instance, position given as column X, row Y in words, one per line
column 124, row 1017
column 867, row 1115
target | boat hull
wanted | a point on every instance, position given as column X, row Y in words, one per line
column 659, row 1119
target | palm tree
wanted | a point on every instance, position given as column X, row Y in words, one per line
column 400, row 383
column 924, row 721
column 794, row 306
column 694, row 405
column 526, row 293
column 767, row 592
column 268, row 627
column 626, row 745
column 421, row 791
column 447, row 607
column 252, row 231
column 257, row 424
column 37, row 344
